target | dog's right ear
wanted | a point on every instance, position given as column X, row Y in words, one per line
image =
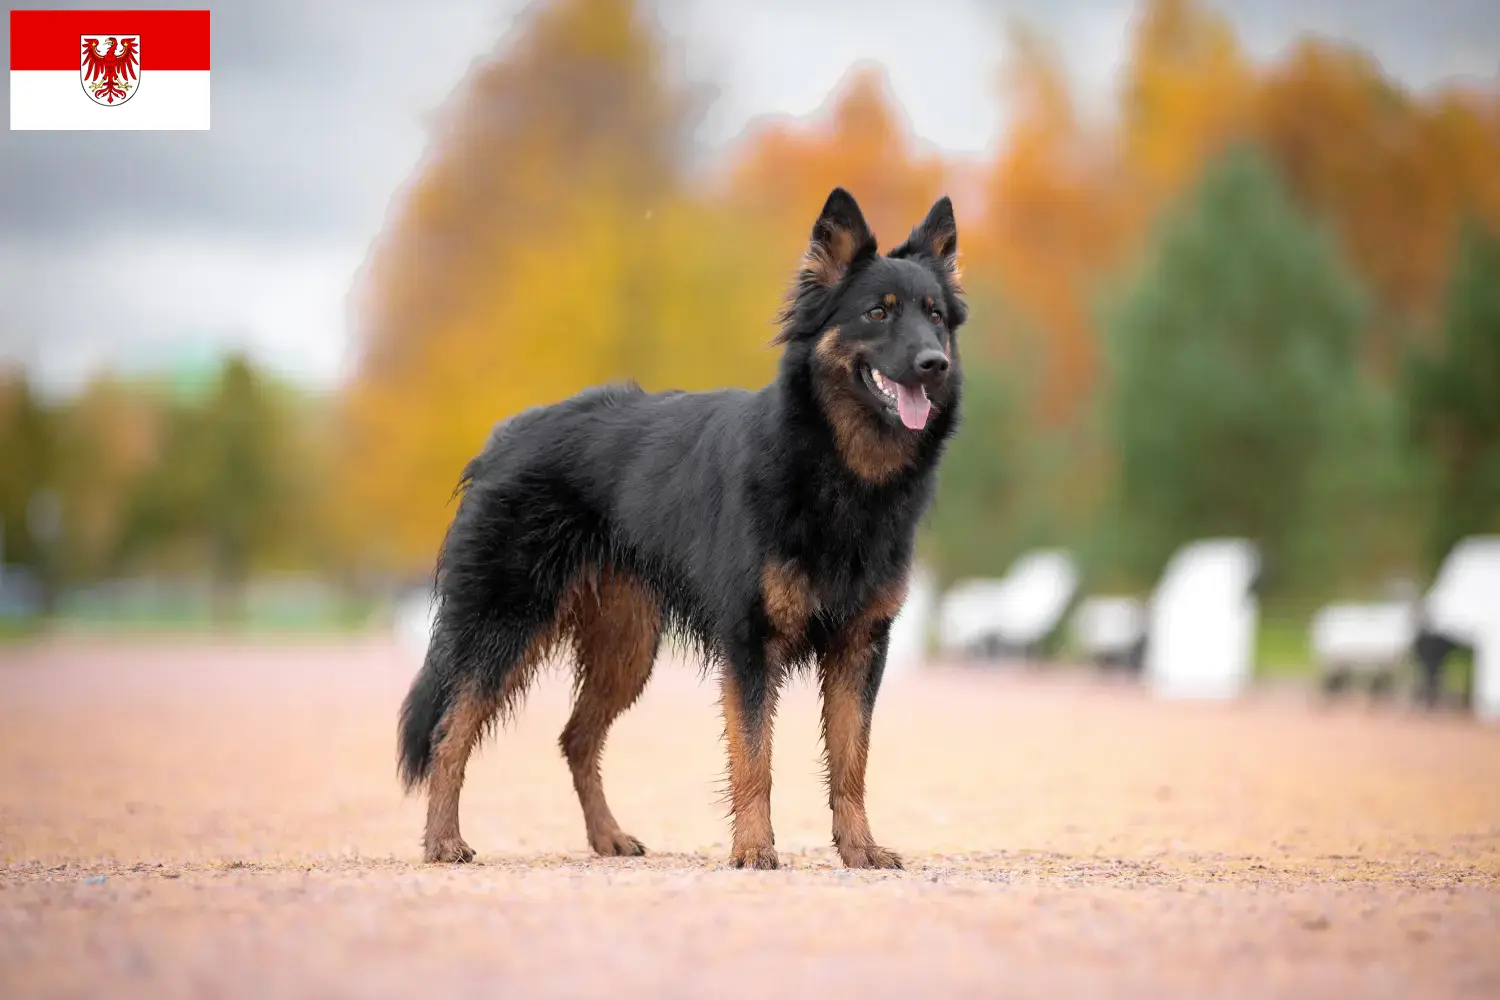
column 839, row 238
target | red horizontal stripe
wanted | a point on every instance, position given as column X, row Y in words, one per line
column 51, row 39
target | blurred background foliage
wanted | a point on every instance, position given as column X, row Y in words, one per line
column 1260, row 298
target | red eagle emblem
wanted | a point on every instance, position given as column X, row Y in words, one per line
column 111, row 74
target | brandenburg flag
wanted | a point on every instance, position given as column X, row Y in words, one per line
column 109, row 69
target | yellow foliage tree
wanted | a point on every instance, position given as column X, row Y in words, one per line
column 549, row 243
column 1187, row 92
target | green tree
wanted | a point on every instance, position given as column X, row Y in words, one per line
column 1453, row 397
column 1235, row 362
column 28, row 446
column 974, row 521
column 999, row 483
column 242, row 488
column 217, row 493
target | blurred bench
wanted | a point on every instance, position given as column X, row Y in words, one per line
column 1010, row 617
column 1110, row 631
column 1353, row 643
column 1460, row 612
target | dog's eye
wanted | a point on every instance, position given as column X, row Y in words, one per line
column 936, row 317
column 877, row 314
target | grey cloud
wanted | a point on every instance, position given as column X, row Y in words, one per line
column 317, row 105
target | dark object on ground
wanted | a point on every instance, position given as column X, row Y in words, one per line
column 1432, row 649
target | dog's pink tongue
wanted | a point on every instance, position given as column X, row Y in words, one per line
column 913, row 406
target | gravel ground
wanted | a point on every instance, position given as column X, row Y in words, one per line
column 222, row 819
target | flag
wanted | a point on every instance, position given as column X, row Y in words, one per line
column 109, row 69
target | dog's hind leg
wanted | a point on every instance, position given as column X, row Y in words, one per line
column 460, row 729
column 469, row 709
column 616, row 632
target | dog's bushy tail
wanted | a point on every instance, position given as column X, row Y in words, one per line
column 421, row 714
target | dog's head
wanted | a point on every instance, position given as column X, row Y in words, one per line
column 877, row 334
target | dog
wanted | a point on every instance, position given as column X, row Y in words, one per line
column 772, row 530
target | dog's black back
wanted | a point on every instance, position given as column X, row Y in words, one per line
column 759, row 525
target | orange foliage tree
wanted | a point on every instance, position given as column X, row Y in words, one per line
column 1393, row 172
column 782, row 172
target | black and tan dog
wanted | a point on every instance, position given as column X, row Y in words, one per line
column 772, row 529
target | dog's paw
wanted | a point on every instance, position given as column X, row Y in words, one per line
column 870, row 856
column 617, row 844
column 762, row 858
column 448, row 850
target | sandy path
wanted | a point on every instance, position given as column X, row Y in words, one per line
column 202, row 819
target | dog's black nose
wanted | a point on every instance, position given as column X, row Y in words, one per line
column 931, row 365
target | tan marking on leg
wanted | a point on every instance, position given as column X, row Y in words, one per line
column 846, row 730
column 461, row 726
column 616, row 626
column 754, row 843
column 871, row 450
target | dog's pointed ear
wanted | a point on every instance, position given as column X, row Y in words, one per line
column 839, row 238
column 936, row 236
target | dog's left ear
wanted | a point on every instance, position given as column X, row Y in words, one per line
column 935, row 237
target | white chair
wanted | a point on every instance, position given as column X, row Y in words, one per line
column 1012, row 616
column 1202, row 621
column 1111, row 631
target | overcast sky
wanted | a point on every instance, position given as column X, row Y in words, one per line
column 250, row 233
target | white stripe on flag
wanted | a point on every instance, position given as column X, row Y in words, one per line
column 167, row 99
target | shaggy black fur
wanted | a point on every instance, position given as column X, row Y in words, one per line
column 690, row 496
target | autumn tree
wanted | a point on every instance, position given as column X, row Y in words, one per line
column 781, row 174
column 1056, row 220
column 1234, row 359
column 1393, row 172
column 107, row 437
column 1186, row 94
column 543, row 246
column 1453, row 395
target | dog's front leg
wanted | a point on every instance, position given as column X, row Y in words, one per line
column 851, row 673
column 749, row 700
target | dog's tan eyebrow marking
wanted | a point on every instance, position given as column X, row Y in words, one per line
column 927, row 302
column 890, row 300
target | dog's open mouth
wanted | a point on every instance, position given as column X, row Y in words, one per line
column 909, row 402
